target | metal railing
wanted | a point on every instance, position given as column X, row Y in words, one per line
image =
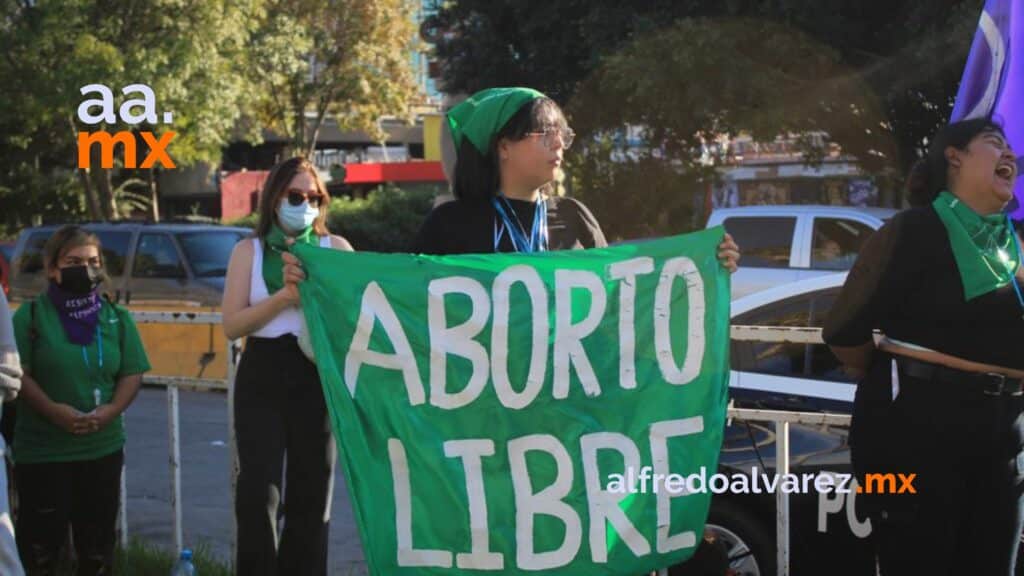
column 780, row 418
column 174, row 384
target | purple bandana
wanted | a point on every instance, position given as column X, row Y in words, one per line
column 78, row 313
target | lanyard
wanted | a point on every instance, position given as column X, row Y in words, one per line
column 1013, row 280
column 538, row 239
column 99, row 346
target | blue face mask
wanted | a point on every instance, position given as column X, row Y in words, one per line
column 296, row 218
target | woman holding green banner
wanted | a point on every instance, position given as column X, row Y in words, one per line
column 939, row 403
column 509, row 144
column 279, row 404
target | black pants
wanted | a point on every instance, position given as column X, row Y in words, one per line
column 85, row 494
column 966, row 449
column 280, row 411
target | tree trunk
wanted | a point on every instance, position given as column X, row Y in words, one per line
column 91, row 200
column 321, row 112
column 90, row 195
column 154, row 196
column 101, row 178
column 300, row 131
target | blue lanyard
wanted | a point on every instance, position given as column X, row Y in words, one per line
column 99, row 346
column 538, row 240
column 1013, row 280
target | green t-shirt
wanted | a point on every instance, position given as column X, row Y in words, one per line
column 68, row 376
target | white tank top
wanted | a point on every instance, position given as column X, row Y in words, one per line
column 289, row 320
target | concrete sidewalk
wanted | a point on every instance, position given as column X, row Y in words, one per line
column 207, row 517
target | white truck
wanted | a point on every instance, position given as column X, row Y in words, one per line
column 783, row 244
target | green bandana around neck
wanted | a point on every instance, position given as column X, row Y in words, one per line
column 485, row 113
column 272, row 262
column 983, row 246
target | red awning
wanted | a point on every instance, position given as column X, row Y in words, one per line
column 378, row 173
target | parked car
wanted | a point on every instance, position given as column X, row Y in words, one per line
column 828, row 533
column 146, row 262
column 784, row 244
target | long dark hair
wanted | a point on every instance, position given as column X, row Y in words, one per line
column 930, row 175
column 277, row 182
column 477, row 176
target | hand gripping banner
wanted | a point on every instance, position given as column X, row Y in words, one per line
column 524, row 413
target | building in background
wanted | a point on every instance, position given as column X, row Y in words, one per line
column 775, row 172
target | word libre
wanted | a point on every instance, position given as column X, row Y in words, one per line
column 489, row 365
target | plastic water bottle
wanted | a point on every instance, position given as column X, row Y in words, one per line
column 184, row 566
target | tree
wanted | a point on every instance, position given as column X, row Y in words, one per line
column 349, row 59
column 877, row 78
column 190, row 53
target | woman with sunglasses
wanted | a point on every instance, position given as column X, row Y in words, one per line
column 279, row 405
column 509, row 144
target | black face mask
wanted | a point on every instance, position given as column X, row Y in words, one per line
column 80, row 279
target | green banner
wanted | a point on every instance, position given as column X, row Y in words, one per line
column 510, row 413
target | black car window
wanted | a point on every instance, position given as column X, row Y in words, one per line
column 778, row 358
column 766, row 241
column 823, row 364
column 115, row 250
column 157, row 257
column 784, row 359
column 31, row 259
column 836, row 242
column 208, row 252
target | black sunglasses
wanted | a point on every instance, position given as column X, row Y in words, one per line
column 296, row 198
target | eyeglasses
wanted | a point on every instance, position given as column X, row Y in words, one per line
column 296, row 198
column 549, row 134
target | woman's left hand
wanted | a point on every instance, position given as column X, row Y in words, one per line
column 99, row 418
column 729, row 253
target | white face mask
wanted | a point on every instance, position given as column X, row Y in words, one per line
column 296, row 218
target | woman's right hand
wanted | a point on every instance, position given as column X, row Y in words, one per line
column 293, row 274
column 69, row 419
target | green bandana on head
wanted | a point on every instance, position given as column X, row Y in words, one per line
column 485, row 113
column 272, row 262
column 983, row 246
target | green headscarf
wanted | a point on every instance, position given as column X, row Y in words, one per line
column 272, row 262
column 485, row 113
column 983, row 246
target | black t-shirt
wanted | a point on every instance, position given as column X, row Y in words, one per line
column 467, row 227
column 906, row 283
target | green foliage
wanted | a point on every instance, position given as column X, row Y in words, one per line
column 249, row 221
column 145, row 559
column 387, row 220
column 192, row 57
column 53, row 197
column 877, row 77
column 347, row 59
column 633, row 198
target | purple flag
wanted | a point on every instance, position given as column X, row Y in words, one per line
column 993, row 81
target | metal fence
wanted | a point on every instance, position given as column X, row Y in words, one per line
column 780, row 419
